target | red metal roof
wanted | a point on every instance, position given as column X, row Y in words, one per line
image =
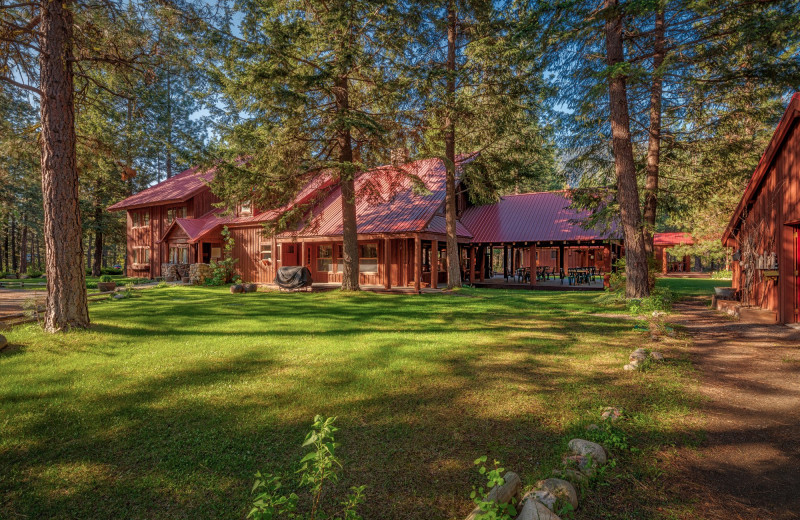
column 792, row 113
column 531, row 217
column 178, row 188
column 438, row 224
column 388, row 200
column 672, row 239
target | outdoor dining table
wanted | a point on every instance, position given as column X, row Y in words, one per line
column 582, row 274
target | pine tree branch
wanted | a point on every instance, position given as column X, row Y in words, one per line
column 21, row 85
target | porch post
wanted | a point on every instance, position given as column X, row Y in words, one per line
column 472, row 265
column 505, row 261
column 532, row 262
column 417, row 263
column 435, row 264
column 303, row 253
column 387, row 261
column 483, row 263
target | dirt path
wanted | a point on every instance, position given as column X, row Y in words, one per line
column 12, row 300
column 749, row 463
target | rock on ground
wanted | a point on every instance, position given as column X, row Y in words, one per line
column 656, row 356
column 3, row 341
column 571, row 475
column 236, row 289
column 639, row 355
column 552, row 489
column 611, row 413
column 532, row 509
column 588, row 449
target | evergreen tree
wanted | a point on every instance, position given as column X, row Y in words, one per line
column 307, row 88
column 481, row 87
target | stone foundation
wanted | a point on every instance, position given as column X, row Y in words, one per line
column 198, row 273
column 174, row 272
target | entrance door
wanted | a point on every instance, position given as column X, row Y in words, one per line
column 289, row 252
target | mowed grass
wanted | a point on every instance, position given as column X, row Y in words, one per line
column 177, row 396
column 693, row 287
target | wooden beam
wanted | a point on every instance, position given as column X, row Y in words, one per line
column 387, row 261
column 417, row 264
column 435, row 264
column 303, row 253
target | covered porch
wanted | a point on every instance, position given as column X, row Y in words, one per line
column 549, row 263
column 415, row 261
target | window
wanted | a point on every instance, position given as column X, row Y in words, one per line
column 368, row 258
column 141, row 255
column 216, row 252
column 178, row 254
column 266, row 252
column 244, row 208
column 140, row 218
column 553, row 254
column 325, row 259
column 173, row 213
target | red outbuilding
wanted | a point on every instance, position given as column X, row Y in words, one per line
column 764, row 227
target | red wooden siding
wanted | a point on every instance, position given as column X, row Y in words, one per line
column 773, row 198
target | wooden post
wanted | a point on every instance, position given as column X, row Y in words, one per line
column 417, row 264
column 483, row 263
column 387, row 261
column 532, row 261
column 435, row 264
column 303, row 254
column 472, row 265
column 664, row 261
column 505, row 261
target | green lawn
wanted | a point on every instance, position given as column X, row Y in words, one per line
column 175, row 397
column 693, row 287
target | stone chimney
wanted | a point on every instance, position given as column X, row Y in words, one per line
column 399, row 156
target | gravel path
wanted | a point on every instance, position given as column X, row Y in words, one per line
column 748, row 465
column 12, row 300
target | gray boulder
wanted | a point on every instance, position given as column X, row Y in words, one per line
column 237, row 289
column 657, row 356
column 550, row 490
column 3, row 342
column 589, row 449
column 639, row 355
column 572, row 475
column 532, row 509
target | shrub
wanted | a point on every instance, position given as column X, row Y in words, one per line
column 318, row 468
column 106, row 278
column 3, row 274
column 110, row 270
column 224, row 271
column 660, row 299
column 722, row 275
column 33, row 272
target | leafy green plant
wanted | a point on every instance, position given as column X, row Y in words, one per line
column 3, row 274
column 106, row 278
column 610, row 436
column 722, row 275
column 162, row 285
column 224, row 271
column 491, row 510
column 318, row 469
column 660, row 300
column 33, row 272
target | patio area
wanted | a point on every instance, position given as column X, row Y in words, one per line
column 500, row 282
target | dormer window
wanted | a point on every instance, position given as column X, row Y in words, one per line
column 244, row 209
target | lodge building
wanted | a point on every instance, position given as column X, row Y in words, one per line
column 763, row 229
column 401, row 231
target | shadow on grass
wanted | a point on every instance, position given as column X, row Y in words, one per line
column 174, row 441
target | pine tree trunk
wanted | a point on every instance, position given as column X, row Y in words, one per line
column 654, row 142
column 348, row 186
column 14, row 245
column 98, row 234
column 23, row 245
column 627, row 189
column 169, row 126
column 66, row 280
column 453, row 261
